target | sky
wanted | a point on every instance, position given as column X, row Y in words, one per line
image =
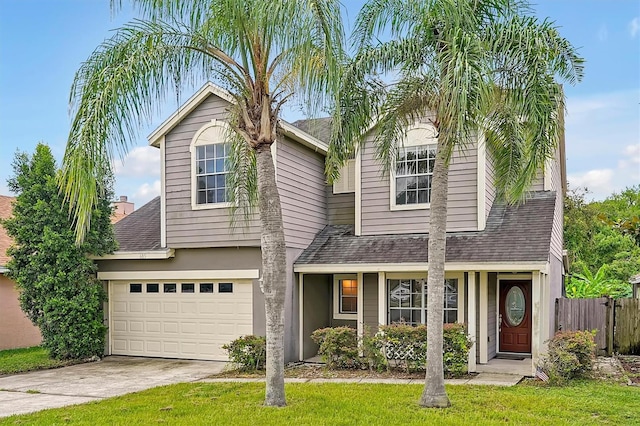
column 43, row 43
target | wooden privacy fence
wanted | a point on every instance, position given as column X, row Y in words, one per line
column 617, row 322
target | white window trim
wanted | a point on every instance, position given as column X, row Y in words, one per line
column 347, row 174
column 194, row 180
column 336, row 296
column 392, row 175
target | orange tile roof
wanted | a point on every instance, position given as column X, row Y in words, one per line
column 6, row 208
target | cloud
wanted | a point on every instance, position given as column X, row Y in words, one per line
column 599, row 182
column 143, row 161
column 145, row 193
column 634, row 27
column 630, row 164
column 603, row 33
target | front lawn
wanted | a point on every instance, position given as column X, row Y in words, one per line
column 20, row 360
column 350, row 404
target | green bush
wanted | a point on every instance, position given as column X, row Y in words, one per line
column 249, row 352
column 393, row 346
column 570, row 355
column 338, row 346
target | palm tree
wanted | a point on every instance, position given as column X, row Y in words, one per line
column 470, row 67
column 262, row 52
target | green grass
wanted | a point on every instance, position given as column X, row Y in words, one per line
column 20, row 360
column 582, row 403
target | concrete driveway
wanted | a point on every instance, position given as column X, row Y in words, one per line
column 114, row 375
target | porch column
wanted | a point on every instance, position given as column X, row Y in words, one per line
column 382, row 298
column 301, row 316
column 483, row 337
column 471, row 318
column 536, row 317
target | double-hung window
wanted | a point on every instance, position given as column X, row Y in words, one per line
column 408, row 300
column 209, row 155
column 412, row 172
column 345, row 296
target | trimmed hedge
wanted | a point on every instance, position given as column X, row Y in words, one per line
column 393, row 346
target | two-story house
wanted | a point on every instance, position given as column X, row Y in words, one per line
column 184, row 283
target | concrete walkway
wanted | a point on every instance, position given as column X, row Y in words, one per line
column 113, row 376
column 490, row 379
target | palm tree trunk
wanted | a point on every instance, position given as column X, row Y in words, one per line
column 273, row 274
column 434, row 394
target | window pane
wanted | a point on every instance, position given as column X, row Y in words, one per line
column 153, row 288
column 219, row 150
column 401, row 168
column 220, row 181
column 416, row 316
column 135, row 288
column 200, row 153
column 423, row 153
column 209, row 151
column 412, row 182
column 206, row 288
column 202, row 182
column 211, row 182
column 202, row 197
column 220, row 197
column 401, row 198
column 422, row 196
column 170, row 288
column 432, row 163
column 187, row 287
column 423, row 166
column 349, row 287
column 225, row 287
column 349, row 305
column 201, row 167
column 411, row 197
column 412, row 167
column 210, row 166
column 220, row 165
column 211, row 196
column 450, row 317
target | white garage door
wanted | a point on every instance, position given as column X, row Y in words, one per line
column 178, row 319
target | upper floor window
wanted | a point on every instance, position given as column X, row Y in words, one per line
column 414, row 169
column 411, row 175
column 211, row 173
column 209, row 154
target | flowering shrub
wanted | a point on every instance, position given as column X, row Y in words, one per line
column 249, row 352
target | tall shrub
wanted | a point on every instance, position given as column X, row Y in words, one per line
column 58, row 288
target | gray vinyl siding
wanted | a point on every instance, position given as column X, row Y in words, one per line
column 317, row 309
column 341, row 208
column 291, row 309
column 378, row 218
column 302, row 188
column 370, row 302
column 490, row 187
column 538, row 182
column 557, row 236
column 492, row 315
column 555, row 287
column 197, row 228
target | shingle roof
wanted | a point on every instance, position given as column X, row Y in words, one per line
column 513, row 234
column 6, row 209
column 319, row 128
column 140, row 230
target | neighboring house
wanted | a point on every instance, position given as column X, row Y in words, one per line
column 183, row 282
column 635, row 283
column 121, row 209
column 16, row 330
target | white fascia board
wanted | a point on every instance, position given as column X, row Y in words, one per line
column 418, row 267
column 127, row 255
column 211, row 89
column 304, row 138
column 218, row 274
column 186, row 108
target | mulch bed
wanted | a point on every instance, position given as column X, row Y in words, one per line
column 631, row 365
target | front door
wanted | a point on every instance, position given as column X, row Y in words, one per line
column 515, row 316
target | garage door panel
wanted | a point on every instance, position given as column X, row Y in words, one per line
column 187, row 325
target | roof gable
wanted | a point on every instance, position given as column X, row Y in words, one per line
column 209, row 89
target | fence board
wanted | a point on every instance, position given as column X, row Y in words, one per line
column 627, row 326
column 584, row 314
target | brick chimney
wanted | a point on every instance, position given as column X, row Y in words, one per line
column 122, row 208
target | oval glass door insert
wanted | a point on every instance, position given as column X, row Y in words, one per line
column 514, row 306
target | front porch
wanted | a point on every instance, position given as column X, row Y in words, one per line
column 364, row 299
